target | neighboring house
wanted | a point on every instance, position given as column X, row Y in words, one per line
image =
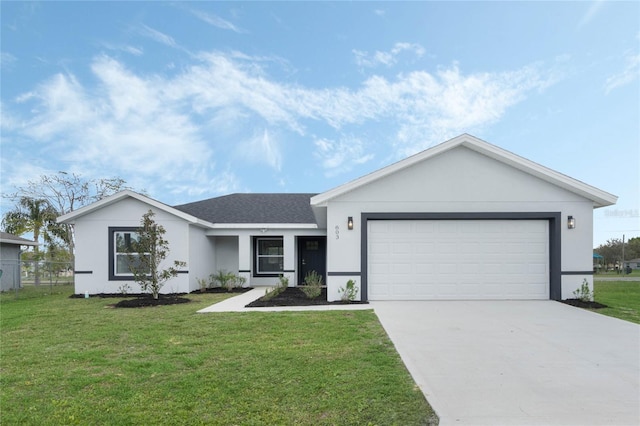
column 633, row 264
column 10, row 249
column 462, row 220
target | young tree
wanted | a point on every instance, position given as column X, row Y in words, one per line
column 31, row 215
column 65, row 192
column 151, row 249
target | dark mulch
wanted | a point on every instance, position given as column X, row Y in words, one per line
column 120, row 295
column 218, row 290
column 582, row 304
column 146, row 301
column 294, row 296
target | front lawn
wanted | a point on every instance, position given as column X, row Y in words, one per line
column 621, row 297
column 77, row 361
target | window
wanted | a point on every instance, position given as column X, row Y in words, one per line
column 269, row 259
column 123, row 252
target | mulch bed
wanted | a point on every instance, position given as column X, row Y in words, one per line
column 222, row 290
column 294, row 296
column 143, row 300
column 582, row 304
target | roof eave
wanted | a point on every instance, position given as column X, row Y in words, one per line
column 264, row 226
column 19, row 242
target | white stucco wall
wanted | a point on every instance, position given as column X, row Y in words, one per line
column 459, row 180
column 227, row 253
column 202, row 256
column 242, row 241
column 92, row 246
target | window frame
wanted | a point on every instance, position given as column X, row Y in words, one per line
column 257, row 256
column 113, row 231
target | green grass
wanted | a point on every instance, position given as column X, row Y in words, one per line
column 77, row 361
column 621, row 297
column 634, row 273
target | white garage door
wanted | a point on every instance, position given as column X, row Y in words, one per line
column 458, row 259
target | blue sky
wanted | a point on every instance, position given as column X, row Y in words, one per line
column 193, row 100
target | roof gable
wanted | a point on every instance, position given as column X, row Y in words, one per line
column 70, row 217
column 600, row 198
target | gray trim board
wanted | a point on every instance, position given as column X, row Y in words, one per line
column 342, row 274
column 555, row 279
column 82, row 272
column 576, row 273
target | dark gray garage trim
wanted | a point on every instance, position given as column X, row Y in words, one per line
column 555, row 281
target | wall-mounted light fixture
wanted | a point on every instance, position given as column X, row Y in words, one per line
column 571, row 222
column 350, row 223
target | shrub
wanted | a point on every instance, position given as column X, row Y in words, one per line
column 283, row 283
column 124, row 289
column 584, row 293
column 313, row 285
column 349, row 292
column 203, row 283
column 227, row 280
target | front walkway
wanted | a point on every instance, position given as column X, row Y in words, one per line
column 237, row 304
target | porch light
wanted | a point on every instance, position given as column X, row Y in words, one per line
column 350, row 223
column 571, row 222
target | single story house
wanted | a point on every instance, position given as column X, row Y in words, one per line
column 463, row 220
column 10, row 250
column 632, row 263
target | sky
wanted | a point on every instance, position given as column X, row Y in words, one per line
column 192, row 100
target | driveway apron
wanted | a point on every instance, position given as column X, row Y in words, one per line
column 518, row 362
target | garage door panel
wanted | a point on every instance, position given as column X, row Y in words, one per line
column 458, row 259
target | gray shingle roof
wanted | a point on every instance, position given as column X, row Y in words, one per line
column 253, row 208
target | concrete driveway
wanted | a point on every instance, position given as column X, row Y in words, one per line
column 518, row 363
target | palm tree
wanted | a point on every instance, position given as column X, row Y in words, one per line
column 31, row 215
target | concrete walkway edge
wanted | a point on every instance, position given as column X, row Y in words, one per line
column 238, row 303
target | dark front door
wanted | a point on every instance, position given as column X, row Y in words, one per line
column 312, row 256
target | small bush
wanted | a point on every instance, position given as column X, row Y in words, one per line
column 124, row 289
column 584, row 293
column 203, row 283
column 313, row 285
column 227, row 280
column 283, row 283
column 349, row 292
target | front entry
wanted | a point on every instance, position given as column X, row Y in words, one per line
column 312, row 256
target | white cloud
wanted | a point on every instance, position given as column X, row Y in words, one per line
column 156, row 35
column 126, row 125
column 7, row 60
column 136, row 51
column 216, row 21
column 626, row 76
column 165, row 130
column 263, row 148
column 590, row 13
column 364, row 59
column 340, row 156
